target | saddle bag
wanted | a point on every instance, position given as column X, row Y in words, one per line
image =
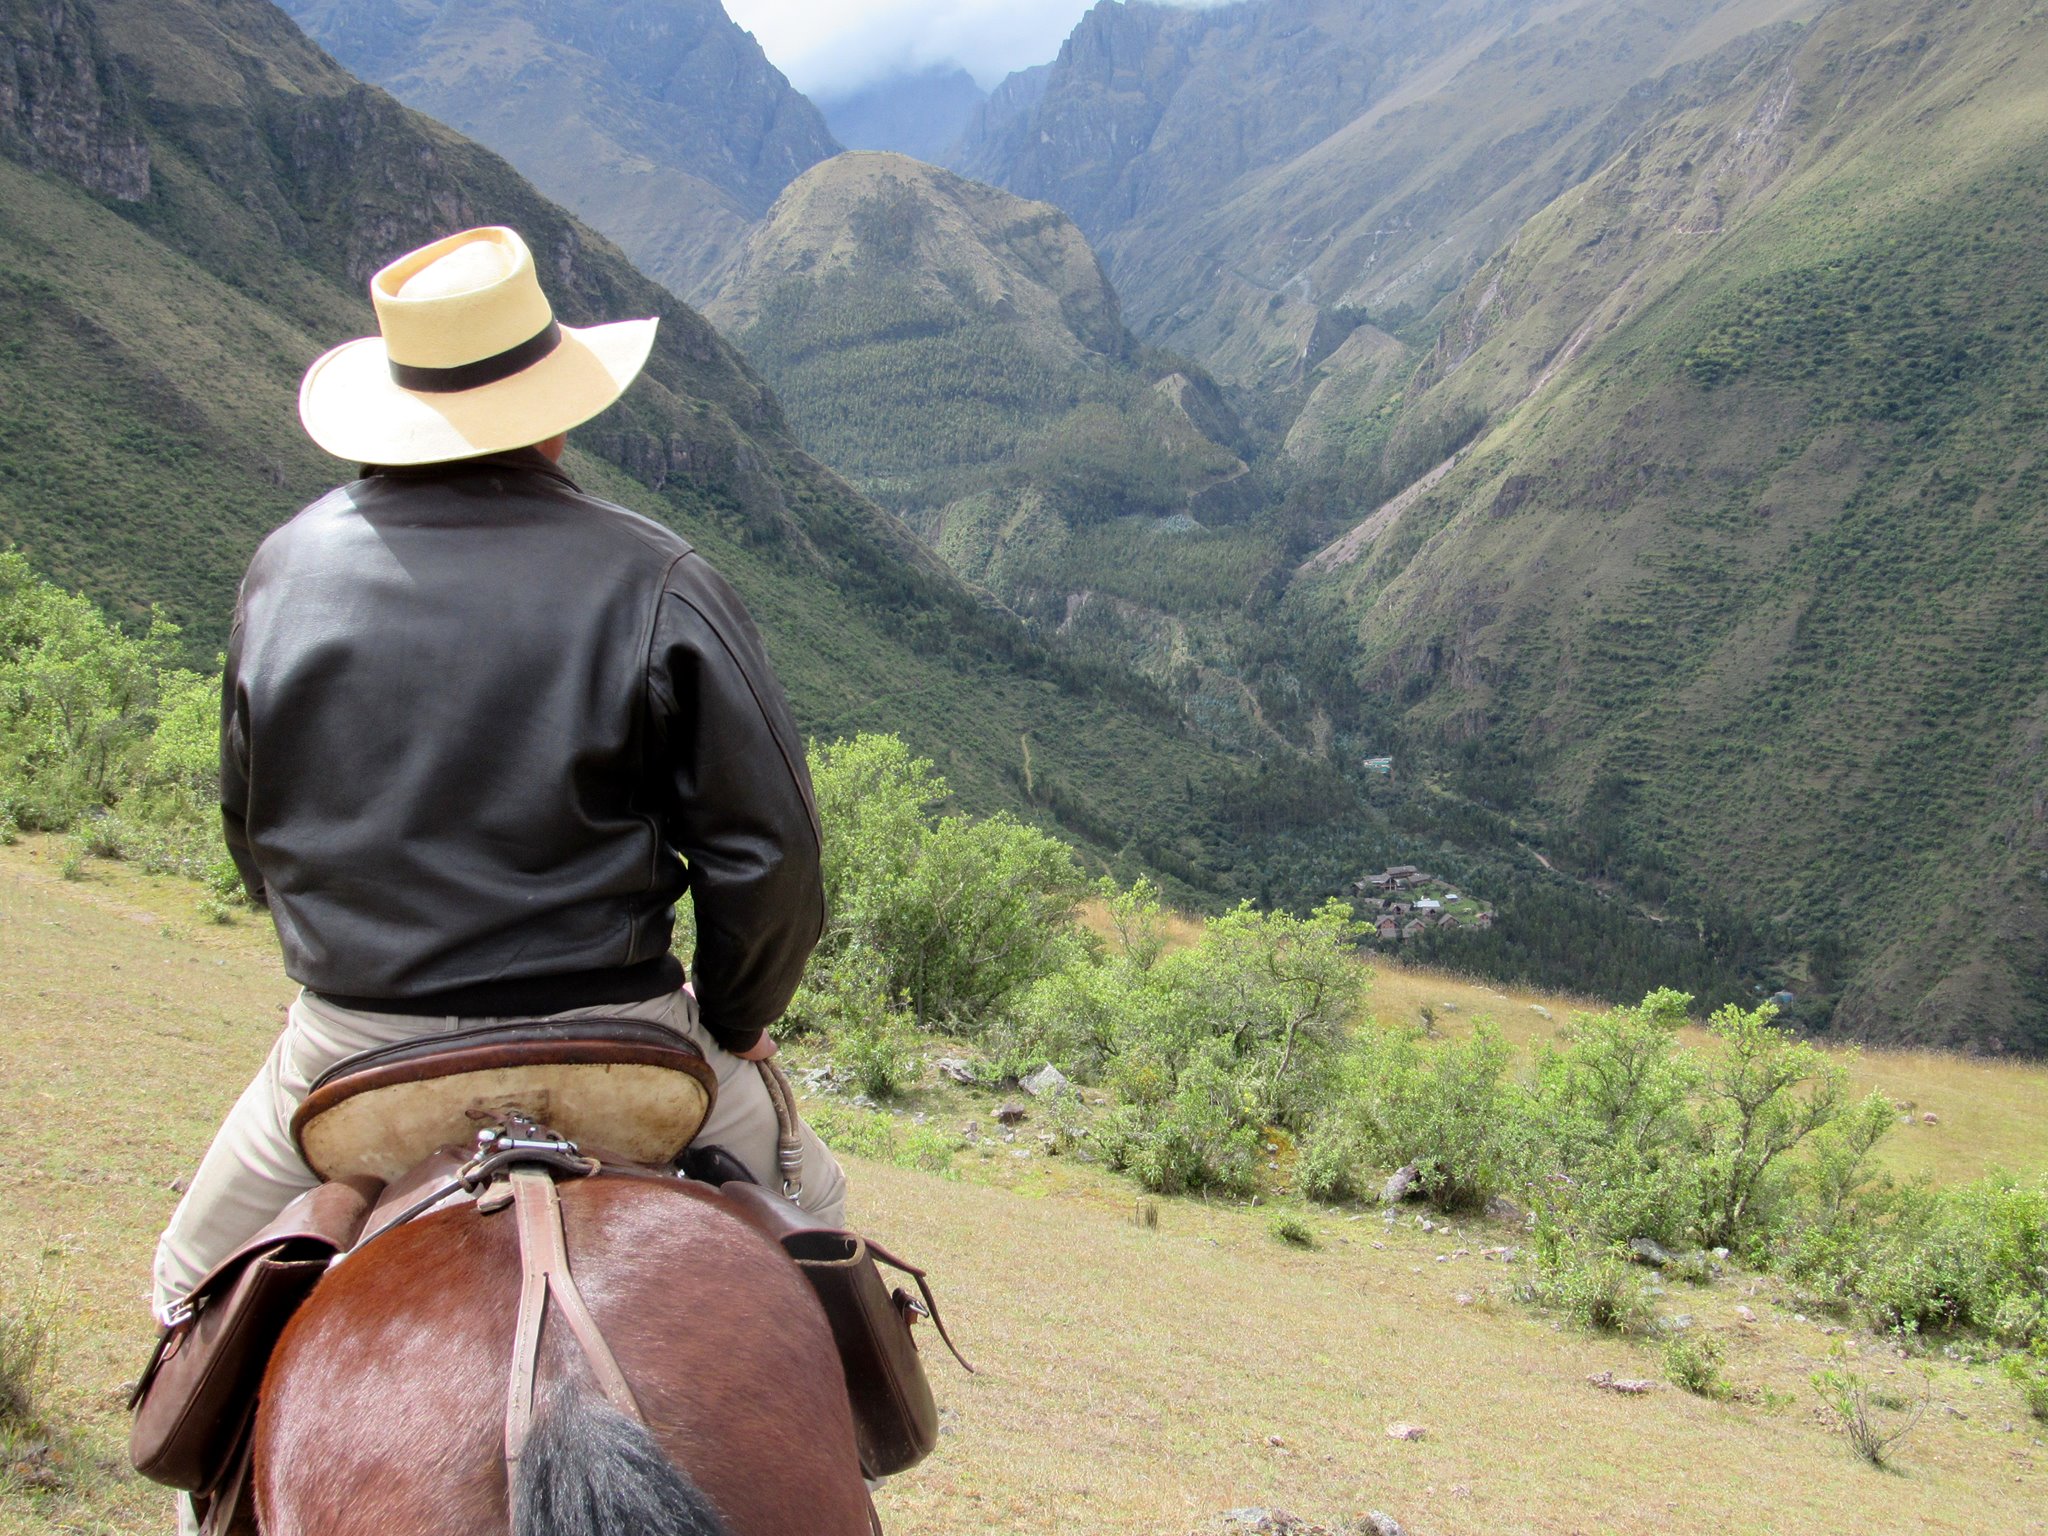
column 896, row 1421
column 198, row 1392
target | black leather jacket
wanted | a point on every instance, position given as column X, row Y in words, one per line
column 479, row 731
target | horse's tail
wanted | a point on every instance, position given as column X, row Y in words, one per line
column 589, row 1470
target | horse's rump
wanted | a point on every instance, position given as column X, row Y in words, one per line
column 384, row 1409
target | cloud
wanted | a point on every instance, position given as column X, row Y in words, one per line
column 834, row 46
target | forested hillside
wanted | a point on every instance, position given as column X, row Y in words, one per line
column 957, row 352
column 1745, row 573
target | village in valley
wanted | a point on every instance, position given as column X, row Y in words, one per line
column 1403, row 901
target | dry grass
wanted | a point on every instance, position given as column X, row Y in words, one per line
column 1132, row 1377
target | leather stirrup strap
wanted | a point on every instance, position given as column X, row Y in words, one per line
column 544, row 1272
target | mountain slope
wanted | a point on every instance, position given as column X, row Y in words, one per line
column 660, row 122
column 157, row 331
column 958, row 353
column 1260, row 178
column 1744, row 579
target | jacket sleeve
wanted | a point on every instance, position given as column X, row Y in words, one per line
column 741, row 812
column 234, row 767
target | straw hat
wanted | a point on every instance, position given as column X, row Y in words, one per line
column 471, row 360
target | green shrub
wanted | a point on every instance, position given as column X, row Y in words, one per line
column 1448, row 1110
column 1871, row 1418
column 1292, row 1230
column 1332, row 1157
column 2029, row 1372
column 1975, row 1256
column 961, row 914
column 1600, row 1291
column 25, row 1351
column 1694, row 1363
column 1208, row 1047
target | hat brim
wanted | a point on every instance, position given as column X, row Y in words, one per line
column 353, row 408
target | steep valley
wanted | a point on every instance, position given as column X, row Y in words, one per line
column 1622, row 421
column 194, row 197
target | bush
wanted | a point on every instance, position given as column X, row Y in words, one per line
column 1597, row 1290
column 1293, row 1230
column 1870, row 1419
column 960, row 915
column 1450, row 1111
column 1333, row 1155
column 1695, row 1364
column 81, row 702
column 25, row 1347
column 1206, row 1048
column 1971, row 1257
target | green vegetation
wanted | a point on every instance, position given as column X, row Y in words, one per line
column 1871, row 1417
column 1737, row 595
column 935, row 340
column 1215, row 1056
column 105, row 734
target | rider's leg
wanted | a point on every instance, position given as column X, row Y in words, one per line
column 743, row 1120
column 252, row 1171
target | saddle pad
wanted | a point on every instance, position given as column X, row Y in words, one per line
column 638, row 1090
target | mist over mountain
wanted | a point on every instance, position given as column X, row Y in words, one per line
column 920, row 115
column 659, row 121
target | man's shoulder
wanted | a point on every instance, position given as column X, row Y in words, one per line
column 350, row 510
column 625, row 523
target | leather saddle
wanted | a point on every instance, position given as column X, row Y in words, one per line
column 399, row 1129
column 640, row 1091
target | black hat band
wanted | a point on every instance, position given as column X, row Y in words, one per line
column 485, row 370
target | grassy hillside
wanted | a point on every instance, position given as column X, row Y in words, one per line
column 155, row 344
column 1121, row 1387
column 1742, row 582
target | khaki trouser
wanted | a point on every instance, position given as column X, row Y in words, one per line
column 252, row 1170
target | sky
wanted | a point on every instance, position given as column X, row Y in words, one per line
column 829, row 47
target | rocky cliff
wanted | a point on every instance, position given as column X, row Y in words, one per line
column 660, row 122
column 64, row 105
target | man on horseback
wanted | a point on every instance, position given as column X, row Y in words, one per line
column 480, row 731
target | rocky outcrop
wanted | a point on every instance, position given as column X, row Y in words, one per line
column 63, row 103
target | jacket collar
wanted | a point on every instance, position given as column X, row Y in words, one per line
column 529, row 460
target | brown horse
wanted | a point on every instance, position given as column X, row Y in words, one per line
column 383, row 1410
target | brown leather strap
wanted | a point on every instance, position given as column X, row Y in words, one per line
column 544, row 1272
column 931, row 1302
column 789, row 1138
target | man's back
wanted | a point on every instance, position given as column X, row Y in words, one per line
column 466, row 711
